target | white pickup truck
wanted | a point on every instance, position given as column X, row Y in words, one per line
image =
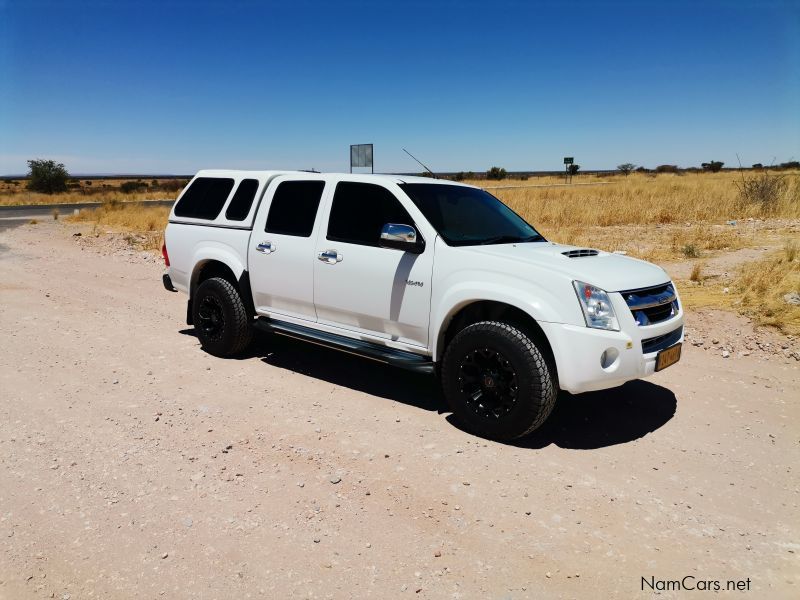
column 423, row 274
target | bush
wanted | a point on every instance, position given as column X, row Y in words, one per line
column 792, row 164
column 47, row 176
column 173, row 185
column 763, row 189
column 758, row 166
column 714, row 166
column 573, row 169
column 690, row 251
column 496, row 173
column 129, row 187
column 626, row 168
column 667, row 169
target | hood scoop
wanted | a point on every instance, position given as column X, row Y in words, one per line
column 580, row 253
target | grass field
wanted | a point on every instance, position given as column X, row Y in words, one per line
column 15, row 192
column 756, row 289
column 147, row 221
column 690, row 217
column 654, row 217
column 761, row 286
column 647, row 199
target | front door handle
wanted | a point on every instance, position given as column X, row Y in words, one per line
column 330, row 257
column 266, row 247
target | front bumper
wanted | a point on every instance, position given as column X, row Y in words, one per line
column 579, row 351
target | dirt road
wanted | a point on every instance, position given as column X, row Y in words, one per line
column 133, row 465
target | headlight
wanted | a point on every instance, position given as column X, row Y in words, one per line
column 596, row 305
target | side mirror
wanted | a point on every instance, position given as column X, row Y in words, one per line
column 401, row 237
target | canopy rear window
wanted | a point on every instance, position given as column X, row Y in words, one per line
column 205, row 198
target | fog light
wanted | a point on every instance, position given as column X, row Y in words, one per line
column 609, row 358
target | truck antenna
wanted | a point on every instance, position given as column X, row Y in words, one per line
column 423, row 166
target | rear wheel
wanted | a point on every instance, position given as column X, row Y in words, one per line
column 497, row 381
column 220, row 318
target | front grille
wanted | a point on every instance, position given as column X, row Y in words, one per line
column 652, row 305
column 580, row 253
column 654, row 344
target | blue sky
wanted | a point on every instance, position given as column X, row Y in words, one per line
column 174, row 86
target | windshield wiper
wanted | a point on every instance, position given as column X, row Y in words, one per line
column 510, row 239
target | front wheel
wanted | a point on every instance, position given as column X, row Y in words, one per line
column 497, row 381
column 220, row 318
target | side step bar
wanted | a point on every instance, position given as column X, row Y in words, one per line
column 376, row 352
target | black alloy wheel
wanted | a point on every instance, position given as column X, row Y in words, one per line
column 489, row 383
column 499, row 380
column 211, row 318
column 220, row 317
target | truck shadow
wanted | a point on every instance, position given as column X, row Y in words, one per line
column 348, row 371
column 584, row 422
column 606, row 418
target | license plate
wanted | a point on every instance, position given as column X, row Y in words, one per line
column 668, row 357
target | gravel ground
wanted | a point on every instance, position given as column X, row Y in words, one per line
column 133, row 465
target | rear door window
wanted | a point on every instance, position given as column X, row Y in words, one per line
column 205, row 198
column 242, row 200
column 294, row 208
column 360, row 210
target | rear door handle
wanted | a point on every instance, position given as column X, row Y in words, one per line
column 266, row 247
column 330, row 257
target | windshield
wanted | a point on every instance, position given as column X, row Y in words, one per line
column 466, row 216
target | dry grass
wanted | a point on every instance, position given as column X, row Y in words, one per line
column 659, row 218
column 762, row 285
column 97, row 190
column 643, row 199
column 148, row 221
column 757, row 289
column 26, row 197
column 697, row 273
column 659, row 243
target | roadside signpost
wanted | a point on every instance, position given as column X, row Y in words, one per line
column 361, row 157
column 568, row 161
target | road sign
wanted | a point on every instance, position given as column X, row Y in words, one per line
column 568, row 160
column 361, row 156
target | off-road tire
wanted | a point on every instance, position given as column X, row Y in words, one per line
column 233, row 331
column 535, row 387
